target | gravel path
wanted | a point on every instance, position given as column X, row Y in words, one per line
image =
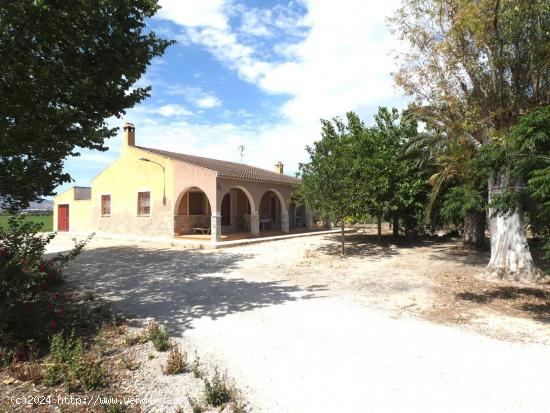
column 322, row 337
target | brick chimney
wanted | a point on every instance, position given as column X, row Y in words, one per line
column 129, row 134
column 279, row 167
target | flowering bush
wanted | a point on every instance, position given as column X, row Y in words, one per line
column 29, row 298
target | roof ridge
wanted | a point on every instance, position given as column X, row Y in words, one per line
column 212, row 159
column 226, row 169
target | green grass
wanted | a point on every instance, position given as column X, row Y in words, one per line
column 45, row 220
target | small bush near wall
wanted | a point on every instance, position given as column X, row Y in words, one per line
column 29, row 284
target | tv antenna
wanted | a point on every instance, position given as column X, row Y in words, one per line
column 241, row 151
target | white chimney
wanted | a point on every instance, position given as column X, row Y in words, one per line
column 279, row 167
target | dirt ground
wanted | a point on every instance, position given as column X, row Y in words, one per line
column 301, row 329
column 431, row 278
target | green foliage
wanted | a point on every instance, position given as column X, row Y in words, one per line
column 29, row 302
column 65, row 67
column 71, row 366
column 459, row 202
column 393, row 183
column 473, row 67
column 328, row 183
column 523, row 156
column 355, row 171
column 158, row 336
column 217, row 391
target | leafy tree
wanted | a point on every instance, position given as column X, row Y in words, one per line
column 329, row 185
column 475, row 67
column 65, row 67
column 525, row 154
column 457, row 193
column 392, row 186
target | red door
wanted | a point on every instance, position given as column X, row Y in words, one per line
column 63, row 217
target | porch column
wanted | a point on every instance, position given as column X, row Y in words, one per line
column 255, row 224
column 216, row 226
column 284, row 222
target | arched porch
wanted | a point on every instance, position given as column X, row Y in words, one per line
column 192, row 213
column 236, row 208
column 273, row 214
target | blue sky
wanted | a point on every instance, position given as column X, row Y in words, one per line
column 259, row 74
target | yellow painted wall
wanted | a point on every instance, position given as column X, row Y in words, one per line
column 123, row 179
column 127, row 176
column 79, row 211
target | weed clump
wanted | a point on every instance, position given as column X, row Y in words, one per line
column 176, row 362
column 71, row 365
column 158, row 336
column 217, row 391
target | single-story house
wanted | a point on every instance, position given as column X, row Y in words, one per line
column 151, row 192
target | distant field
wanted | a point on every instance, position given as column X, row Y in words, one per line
column 45, row 220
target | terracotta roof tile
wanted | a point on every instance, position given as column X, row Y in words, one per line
column 225, row 168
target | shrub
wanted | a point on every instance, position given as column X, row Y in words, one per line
column 71, row 365
column 29, row 303
column 90, row 374
column 158, row 336
column 53, row 374
column 176, row 363
column 217, row 392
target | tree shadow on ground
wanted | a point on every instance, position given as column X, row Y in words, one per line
column 177, row 286
column 534, row 301
column 457, row 253
column 358, row 244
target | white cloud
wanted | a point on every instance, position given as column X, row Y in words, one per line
column 341, row 63
column 208, row 102
column 195, row 95
column 194, row 13
column 173, row 110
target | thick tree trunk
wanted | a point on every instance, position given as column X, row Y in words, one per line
column 510, row 255
column 474, row 230
column 379, row 221
column 395, row 225
column 342, row 251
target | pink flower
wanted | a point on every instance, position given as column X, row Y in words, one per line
column 53, row 324
column 54, row 296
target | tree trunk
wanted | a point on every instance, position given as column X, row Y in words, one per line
column 474, row 230
column 395, row 225
column 379, row 219
column 342, row 251
column 510, row 255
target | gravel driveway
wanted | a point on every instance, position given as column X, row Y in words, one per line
column 318, row 337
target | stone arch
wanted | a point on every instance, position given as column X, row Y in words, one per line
column 284, row 206
column 246, row 192
column 186, row 190
column 186, row 222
